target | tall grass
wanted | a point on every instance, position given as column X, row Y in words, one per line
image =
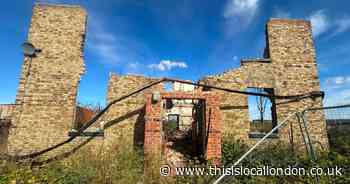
column 124, row 165
column 119, row 165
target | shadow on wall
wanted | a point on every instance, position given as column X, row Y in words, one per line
column 138, row 127
column 138, row 135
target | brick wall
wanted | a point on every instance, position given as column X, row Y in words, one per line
column 47, row 90
column 212, row 124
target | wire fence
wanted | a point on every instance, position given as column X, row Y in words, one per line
column 337, row 118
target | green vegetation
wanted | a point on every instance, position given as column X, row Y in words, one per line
column 124, row 165
column 339, row 140
column 280, row 156
column 170, row 127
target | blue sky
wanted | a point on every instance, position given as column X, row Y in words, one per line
column 182, row 39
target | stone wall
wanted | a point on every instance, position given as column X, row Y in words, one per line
column 46, row 97
column 128, row 115
column 289, row 68
column 293, row 56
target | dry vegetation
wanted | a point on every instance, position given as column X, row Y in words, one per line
column 125, row 165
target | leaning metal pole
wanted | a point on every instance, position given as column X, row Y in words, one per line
column 311, row 147
column 305, row 139
column 255, row 146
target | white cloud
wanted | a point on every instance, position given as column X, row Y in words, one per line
column 336, row 81
column 164, row 65
column 338, row 97
column 239, row 12
column 102, row 42
column 116, row 48
column 320, row 22
column 342, row 80
column 337, row 90
column 242, row 8
column 342, row 25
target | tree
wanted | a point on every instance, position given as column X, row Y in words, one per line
column 261, row 102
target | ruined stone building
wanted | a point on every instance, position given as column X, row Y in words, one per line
column 46, row 98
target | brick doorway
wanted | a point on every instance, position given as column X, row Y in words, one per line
column 203, row 136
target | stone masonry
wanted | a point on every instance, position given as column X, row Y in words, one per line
column 46, row 97
column 128, row 114
column 289, row 68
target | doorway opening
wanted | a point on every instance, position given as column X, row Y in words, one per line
column 183, row 121
column 183, row 125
